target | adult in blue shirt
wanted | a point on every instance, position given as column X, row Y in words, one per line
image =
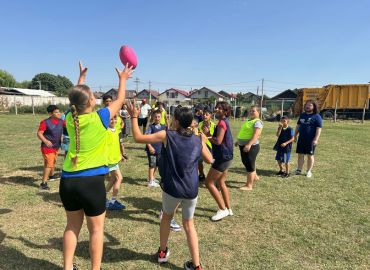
column 309, row 129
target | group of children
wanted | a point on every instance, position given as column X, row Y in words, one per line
column 178, row 151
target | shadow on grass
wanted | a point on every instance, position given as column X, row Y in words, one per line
column 110, row 253
column 14, row 259
column 20, row 180
column 132, row 147
column 39, row 168
column 134, row 181
column 260, row 172
column 49, row 197
column 4, row 211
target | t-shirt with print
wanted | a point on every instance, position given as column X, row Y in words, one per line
column 308, row 124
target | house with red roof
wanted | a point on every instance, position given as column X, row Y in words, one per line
column 174, row 96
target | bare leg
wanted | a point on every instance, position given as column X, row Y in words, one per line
column 117, row 176
column 70, row 236
column 192, row 238
column 165, row 230
column 212, row 177
column 251, row 177
column 280, row 165
column 45, row 175
column 201, row 168
column 300, row 161
column 287, row 167
column 224, row 190
column 110, row 184
column 151, row 173
column 96, row 231
column 310, row 162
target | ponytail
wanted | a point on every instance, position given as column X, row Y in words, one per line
column 77, row 131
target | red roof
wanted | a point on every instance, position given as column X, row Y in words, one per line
column 182, row 92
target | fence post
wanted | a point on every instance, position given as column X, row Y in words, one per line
column 33, row 107
column 282, row 108
column 335, row 111
column 15, row 106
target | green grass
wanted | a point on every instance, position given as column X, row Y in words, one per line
column 299, row 223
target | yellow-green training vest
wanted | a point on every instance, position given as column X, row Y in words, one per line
column 93, row 143
column 163, row 117
column 114, row 150
column 247, row 129
column 211, row 131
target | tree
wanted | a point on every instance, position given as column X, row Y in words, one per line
column 49, row 82
column 67, row 84
column 23, row 84
column 7, row 79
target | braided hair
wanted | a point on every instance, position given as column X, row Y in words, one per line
column 79, row 99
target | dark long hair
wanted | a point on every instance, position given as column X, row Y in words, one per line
column 314, row 103
column 185, row 118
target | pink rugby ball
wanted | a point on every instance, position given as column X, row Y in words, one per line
column 127, row 55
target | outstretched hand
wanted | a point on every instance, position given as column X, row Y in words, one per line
column 132, row 109
column 125, row 73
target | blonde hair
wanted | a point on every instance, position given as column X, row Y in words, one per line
column 79, row 100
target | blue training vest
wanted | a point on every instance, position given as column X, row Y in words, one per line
column 156, row 146
column 224, row 151
column 178, row 165
column 285, row 135
column 53, row 133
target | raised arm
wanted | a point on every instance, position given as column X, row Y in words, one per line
column 116, row 105
column 136, row 132
column 83, row 72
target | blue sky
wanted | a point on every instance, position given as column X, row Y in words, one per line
column 225, row 45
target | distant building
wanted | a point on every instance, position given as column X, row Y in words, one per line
column 205, row 95
column 25, row 92
column 148, row 95
column 130, row 94
column 230, row 97
column 174, row 96
column 287, row 94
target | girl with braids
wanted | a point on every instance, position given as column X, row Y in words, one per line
column 178, row 167
column 222, row 149
column 82, row 189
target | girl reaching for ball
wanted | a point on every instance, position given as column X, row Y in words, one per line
column 82, row 188
column 178, row 167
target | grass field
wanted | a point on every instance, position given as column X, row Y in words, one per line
column 297, row 223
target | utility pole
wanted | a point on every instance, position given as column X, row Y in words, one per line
column 137, row 81
column 262, row 96
column 150, row 93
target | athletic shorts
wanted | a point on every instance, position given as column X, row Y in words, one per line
column 83, row 193
column 50, row 159
column 249, row 158
column 282, row 157
column 153, row 160
column 305, row 147
column 143, row 122
column 170, row 203
column 221, row 166
column 113, row 167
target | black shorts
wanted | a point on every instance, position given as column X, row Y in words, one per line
column 153, row 160
column 249, row 158
column 87, row 193
column 305, row 147
column 143, row 122
column 221, row 166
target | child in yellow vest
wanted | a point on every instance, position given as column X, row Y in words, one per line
column 82, row 189
column 207, row 127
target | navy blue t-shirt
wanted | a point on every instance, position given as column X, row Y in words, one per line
column 308, row 124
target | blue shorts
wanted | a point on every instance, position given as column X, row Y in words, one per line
column 282, row 157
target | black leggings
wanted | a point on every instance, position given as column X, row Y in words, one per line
column 249, row 158
column 87, row 193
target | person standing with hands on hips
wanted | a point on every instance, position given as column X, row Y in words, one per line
column 309, row 127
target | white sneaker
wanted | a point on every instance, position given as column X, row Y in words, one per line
column 309, row 174
column 155, row 180
column 230, row 212
column 151, row 183
column 220, row 214
column 174, row 226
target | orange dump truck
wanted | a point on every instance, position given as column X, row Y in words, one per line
column 349, row 100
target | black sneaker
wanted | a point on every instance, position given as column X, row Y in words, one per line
column 190, row 266
column 54, row 177
column 202, row 178
column 298, row 172
column 280, row 173
column 163, row 255
column 44, row 186
column 286, row 175
column 74, row 267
